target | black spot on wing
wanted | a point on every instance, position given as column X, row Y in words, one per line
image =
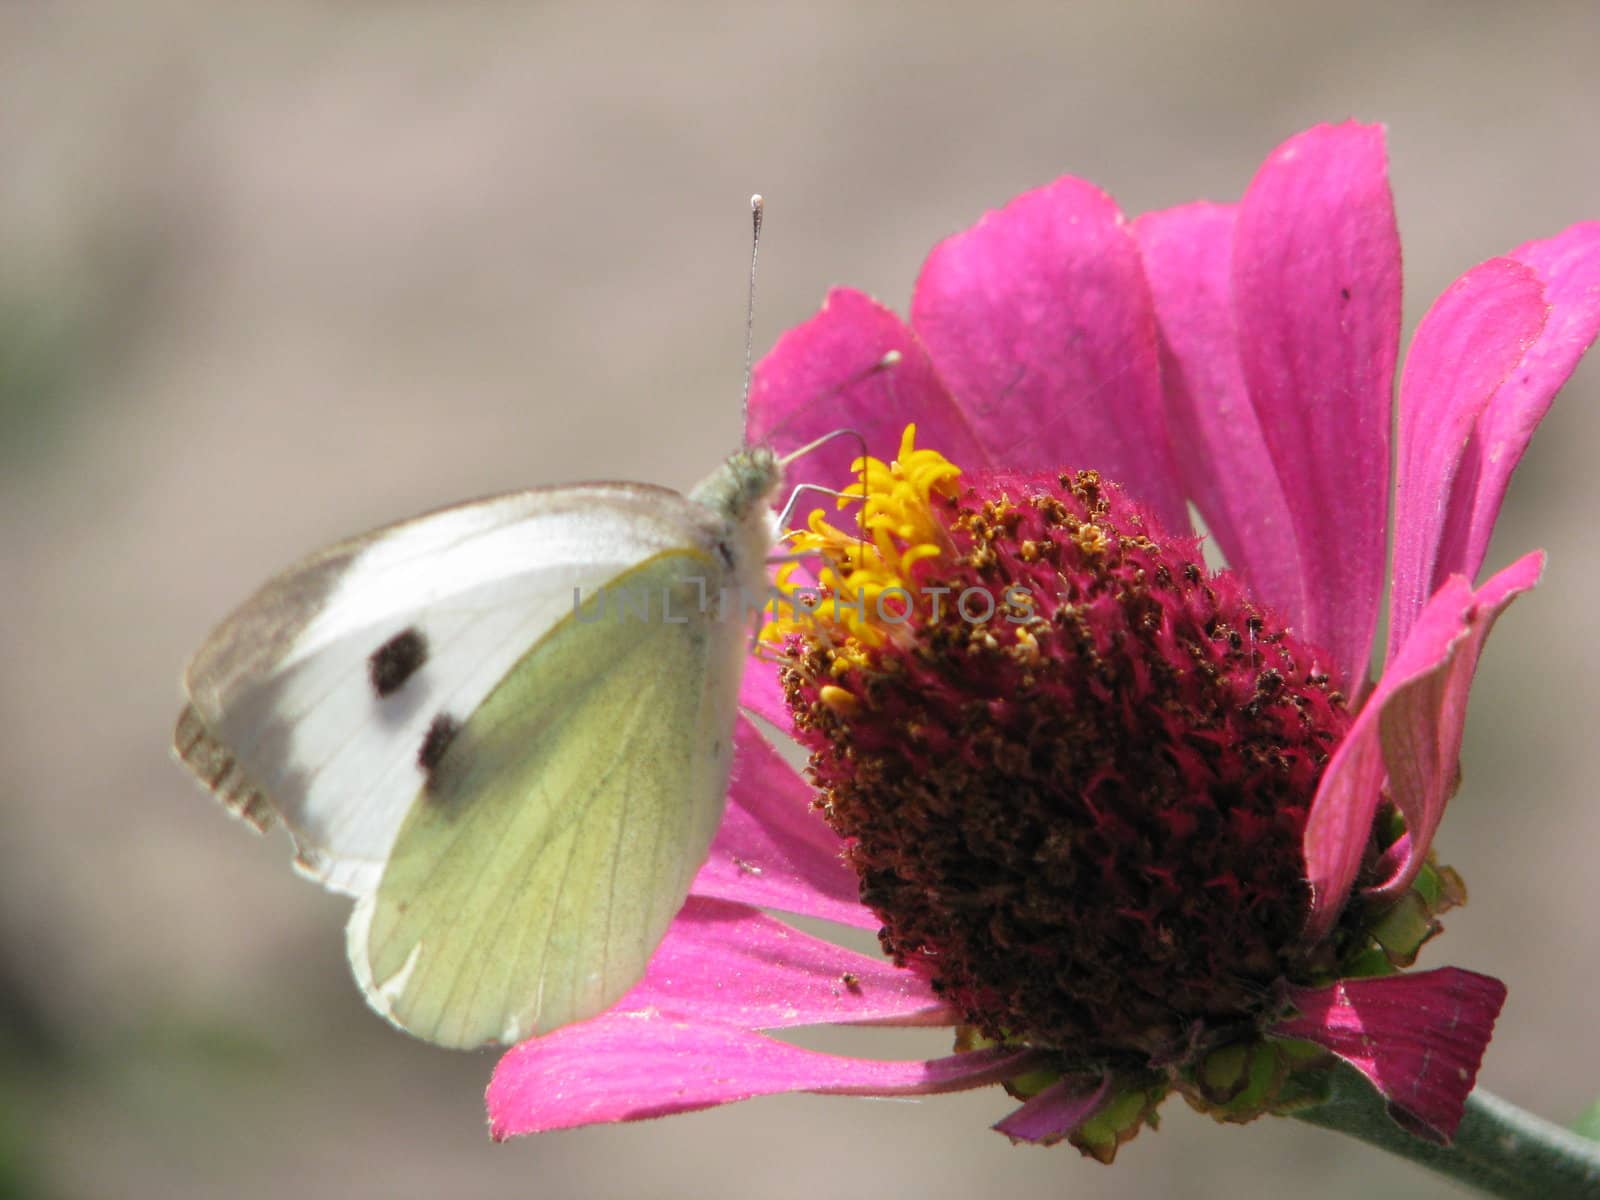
column 396, row 661
column 440, row 734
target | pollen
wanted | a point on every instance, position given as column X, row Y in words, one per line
column 1071, row 764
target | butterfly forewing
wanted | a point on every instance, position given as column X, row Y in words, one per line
column 283, row 694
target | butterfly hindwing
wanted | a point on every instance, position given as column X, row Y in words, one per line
column 559, row 827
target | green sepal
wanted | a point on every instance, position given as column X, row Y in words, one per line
column 1309, row 1080
column 1225, row 1072
column 1238, row 1082
column 1117, row 1121
column 1426, row 885
column 1370, row 963
column 1241, row 1081
column 1030, row 1083
column 1393, row 934
column 1403, row 929
column 1021, row 1087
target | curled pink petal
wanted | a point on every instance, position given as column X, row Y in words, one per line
column 1317, row 298
column 771, row 850
column 1221, row 455
column 1057, row 1111
column 819, row 379
column 1419, row 1038
column 630, row 1066
column 1411, row 726
column 1040, row 319
column 1568, row 265
column 1473, row 337
column 730, row 963
column 1340, row 822
column 1422, row 724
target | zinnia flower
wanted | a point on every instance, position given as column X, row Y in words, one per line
column 1131, row 825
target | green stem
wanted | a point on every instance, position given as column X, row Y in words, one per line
column 1498, row 1147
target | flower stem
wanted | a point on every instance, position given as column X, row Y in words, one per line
column 1498, row 1147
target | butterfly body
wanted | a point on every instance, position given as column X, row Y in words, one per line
column 505, row 728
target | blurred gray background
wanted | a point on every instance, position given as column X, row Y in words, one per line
column 273, row 274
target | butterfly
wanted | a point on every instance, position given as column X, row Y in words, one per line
column 505, row 728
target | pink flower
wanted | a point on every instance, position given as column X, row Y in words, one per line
column 1239, row 357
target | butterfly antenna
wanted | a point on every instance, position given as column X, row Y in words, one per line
column 757, row 206
column 887, row 361
column 890, row 360
column 861, row 441
column 794, row 498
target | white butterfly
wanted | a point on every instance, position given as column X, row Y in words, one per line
column 516, row 791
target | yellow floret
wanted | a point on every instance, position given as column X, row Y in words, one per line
column 866, row 573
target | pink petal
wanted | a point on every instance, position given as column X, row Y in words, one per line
column 732, row 964
column 1317, row 296
column 1422, row 724
column 1040, row 319
column 1056, row 1111
column 772, row 850
column 1569, row 267
column 818, row 379
column 1472, row 338
column 1411, row 725
column 761, row 693
column 1418, row 1038
column 628, row 1067
column 1221, row 456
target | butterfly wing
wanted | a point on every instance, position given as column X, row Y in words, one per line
column 312, row 702
column 560, row 826
column 517, row 797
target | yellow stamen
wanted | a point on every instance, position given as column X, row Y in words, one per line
column 866, row 577
column 838, row 699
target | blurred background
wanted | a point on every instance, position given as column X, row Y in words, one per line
column 273, row 274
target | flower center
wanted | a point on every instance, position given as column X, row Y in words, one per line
column 1073, row 765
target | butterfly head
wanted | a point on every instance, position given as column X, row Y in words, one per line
column 743, row 484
